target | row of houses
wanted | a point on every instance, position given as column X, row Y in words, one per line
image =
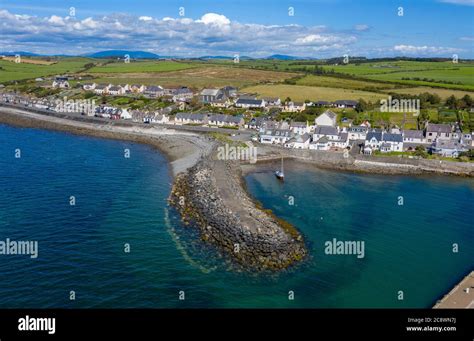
column 324, row 134
column 228, row 96
column 219, row 120
column 152, row 91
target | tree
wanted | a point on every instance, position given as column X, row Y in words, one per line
column 288, row 99
column 422, row 118
column 468, row 100
column 420, row 151
column 361, row 106
column 451, row 102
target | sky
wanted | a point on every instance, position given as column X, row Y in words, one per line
column 255, row 28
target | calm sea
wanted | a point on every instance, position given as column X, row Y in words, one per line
column 120, row 246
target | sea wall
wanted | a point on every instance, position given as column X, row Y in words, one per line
column 211, row 196
column 366, row 163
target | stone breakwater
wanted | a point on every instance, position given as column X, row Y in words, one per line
column 211, row 196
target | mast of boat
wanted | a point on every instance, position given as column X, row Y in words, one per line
column 282, row 165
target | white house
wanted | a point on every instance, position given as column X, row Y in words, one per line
column 101, row 89
column 250, row 103
column 125, row 115
column 357, row 132
column 331, row 133
column 187, row 118
column 137, row 88
column 294, row 107
column 61, row 82
column 327, row 118
column 391, row 142
column 272, row 101
column 116, row 90
column 413, row 136
column 299, row 128
column 373, row 141
column 154, row 91
column 299, row 141
column 320, row 144
column 221, row 120
column 280, row 136
column 89, row 86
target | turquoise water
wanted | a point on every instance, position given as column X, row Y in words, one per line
column 123, row 201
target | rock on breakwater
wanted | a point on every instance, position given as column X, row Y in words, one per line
column 211, row 195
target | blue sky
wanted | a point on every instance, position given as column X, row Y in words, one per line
column 318, row 28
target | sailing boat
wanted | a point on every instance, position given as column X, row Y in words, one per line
column 279, row 173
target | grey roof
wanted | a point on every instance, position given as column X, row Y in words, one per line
column 189, row 116
column 153, row 88
column 326, row 130
column 321, row 103
column 271, row 99
column 101, row 86
column 345, row 102
column 374, row 134
column 388, row 137
column 210, row 92
column 298, row 124
column 323, row 139
column 413, row 134
column 329, row 113
column 385, row 145
column 225, row 118
column 438, row 128
column 343, row 136
column 249, row 101
column 447, row 144
column 114, row 88
column 300, row 138
column 182, row 90
column 358, row 129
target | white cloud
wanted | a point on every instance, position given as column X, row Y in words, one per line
column 471, row 38
column 425, row 50
column 319, row 39
column 361, row 27
column 145, row 18
column 214, row 19
column 55, row 20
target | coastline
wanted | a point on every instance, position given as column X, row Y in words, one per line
column 258, row 241
column 236, row 218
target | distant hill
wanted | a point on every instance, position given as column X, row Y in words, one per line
column 283, row 57
column 122, row 53
column 21, row 53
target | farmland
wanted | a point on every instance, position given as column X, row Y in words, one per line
column 18, row 71
column 313, row 93
column 334, row 82
column 141, row 66
column 199, row 77
column 443, row 93
column 435, row 74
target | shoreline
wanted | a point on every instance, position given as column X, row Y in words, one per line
column 250, row 234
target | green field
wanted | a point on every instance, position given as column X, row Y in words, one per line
column 141, row 67
column 443, row 93
column 442, row 73
column 202, row 76
column 312, row 93
column 18, row 71
column 335, row 82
